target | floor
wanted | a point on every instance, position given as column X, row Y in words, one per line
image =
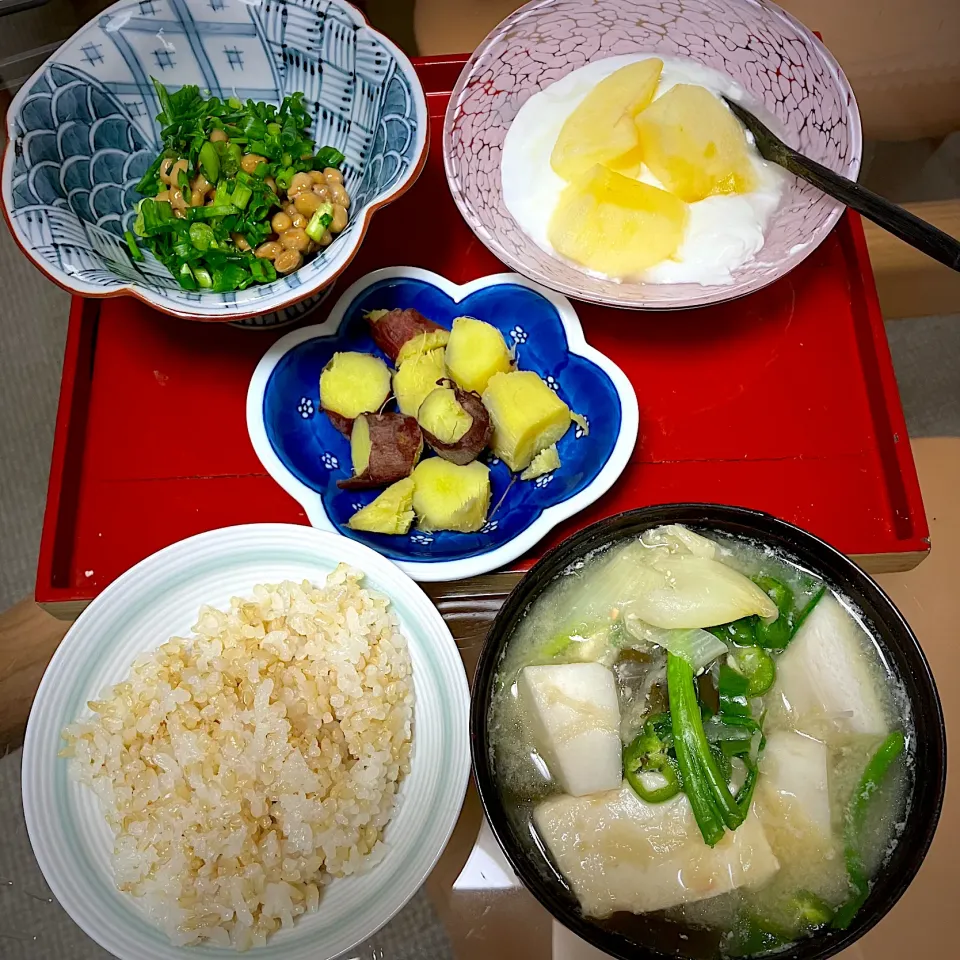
column 33, row 316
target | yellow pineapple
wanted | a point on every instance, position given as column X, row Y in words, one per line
column 614, row 225
column 694, row 145
column 601, row 128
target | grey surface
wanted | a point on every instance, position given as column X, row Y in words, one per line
column 33, row 326
column 926, row 358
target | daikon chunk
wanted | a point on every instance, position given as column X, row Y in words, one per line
column 823, row 677
column 793, row 773
column 576, row 722
column 620, row 853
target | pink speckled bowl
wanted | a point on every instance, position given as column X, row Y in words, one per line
column 791, row 80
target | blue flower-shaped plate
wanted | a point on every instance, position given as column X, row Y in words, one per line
column 306, row 455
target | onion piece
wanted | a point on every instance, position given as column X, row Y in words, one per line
column 698, row 647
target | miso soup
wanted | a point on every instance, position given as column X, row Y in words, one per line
column 704, row 742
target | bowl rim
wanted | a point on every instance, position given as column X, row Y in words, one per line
column 168, row 305
column 437, row 570
column 713, row 294
column 928, row 789
column 383, row 576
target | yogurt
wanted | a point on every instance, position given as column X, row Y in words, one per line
column 723, row 232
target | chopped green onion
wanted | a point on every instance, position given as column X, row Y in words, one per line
column 211, row 212
column 138, row 227
column 198, row 246
column 231, row 277
column 327, row 157
column 552, row 648
column 241, row 196
column 854, row 819
column 201, row 236
column 230, row 159
column 149, row 182
column 186, row 278
column 811, row 910
column 263, row 270
column 808, row 609
column 157, row 216
column 135, row 253
column 713, row 805
column 209, row 161
column 321, row 219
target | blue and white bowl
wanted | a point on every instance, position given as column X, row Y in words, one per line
column 306, row 455
column 82, row 131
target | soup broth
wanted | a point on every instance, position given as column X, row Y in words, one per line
column 820, row 724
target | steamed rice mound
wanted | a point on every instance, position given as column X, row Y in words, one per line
column 245, row 767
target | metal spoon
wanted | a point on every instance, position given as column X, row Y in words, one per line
column 918, row 233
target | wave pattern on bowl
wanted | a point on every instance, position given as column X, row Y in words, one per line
column 83, row 131
column 778, row 62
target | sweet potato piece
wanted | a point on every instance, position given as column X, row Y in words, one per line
column 384, row 447
column 391, row 329
column 448, row 496
column 546, row 461
column 416, row 378
column 527, row 417
column 350, row 384
column 391, row 512
column 423, row 343
column 475, row 352
column 455, row 423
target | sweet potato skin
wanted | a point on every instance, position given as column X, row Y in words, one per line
column 472, row 443
column 341, row 423
column 395, row 447
column 391, row 331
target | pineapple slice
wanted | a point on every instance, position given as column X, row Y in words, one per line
column 451, row 497
column 391, row 512
column 601, row 128
column 694, row 145
column 615, row 225
column 527, row 417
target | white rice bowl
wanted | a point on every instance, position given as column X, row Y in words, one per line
column 283, row 790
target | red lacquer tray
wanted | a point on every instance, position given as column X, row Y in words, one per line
column 784, row 401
